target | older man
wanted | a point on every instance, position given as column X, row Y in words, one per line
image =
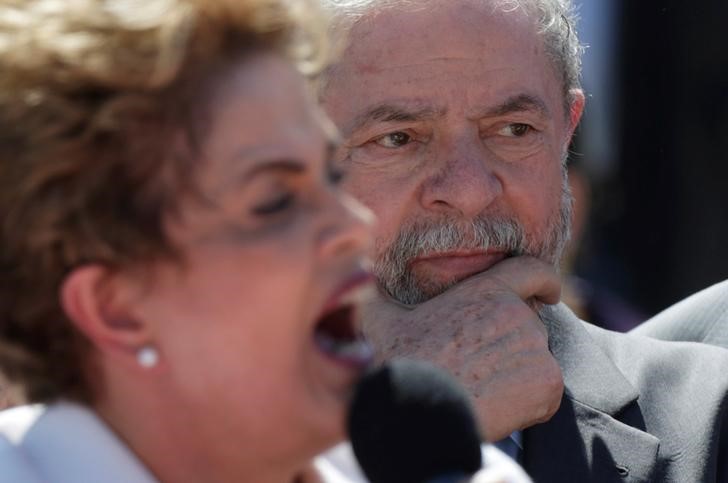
column 456, row 117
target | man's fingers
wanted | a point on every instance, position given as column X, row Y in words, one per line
column 528, row 277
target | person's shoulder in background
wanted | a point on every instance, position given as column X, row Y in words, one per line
column 702, row 317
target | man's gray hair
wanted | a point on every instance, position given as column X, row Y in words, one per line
column 556, row 20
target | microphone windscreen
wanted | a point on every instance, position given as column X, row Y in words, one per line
column 412, row 422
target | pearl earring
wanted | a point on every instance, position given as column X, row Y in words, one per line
column 147, row 357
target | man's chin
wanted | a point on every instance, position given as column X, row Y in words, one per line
column 424, row 282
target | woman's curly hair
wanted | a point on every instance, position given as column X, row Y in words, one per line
column 95, row 96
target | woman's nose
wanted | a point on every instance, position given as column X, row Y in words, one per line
column 348, row 228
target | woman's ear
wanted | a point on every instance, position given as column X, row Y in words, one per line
column 100, row 304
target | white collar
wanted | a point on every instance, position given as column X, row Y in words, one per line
column 67, row 442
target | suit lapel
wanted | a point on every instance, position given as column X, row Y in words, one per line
column 598, row 433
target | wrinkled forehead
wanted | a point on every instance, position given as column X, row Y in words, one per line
column 464, row 52
column 409, row 32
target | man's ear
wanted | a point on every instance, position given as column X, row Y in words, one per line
column 100, row 304
column 576, row 109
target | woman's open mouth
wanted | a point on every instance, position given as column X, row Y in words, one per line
column 337, row 333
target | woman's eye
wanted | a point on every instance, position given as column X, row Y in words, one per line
column 394, row 140
column 335, row 175
column 275, row 206
column 516, row 130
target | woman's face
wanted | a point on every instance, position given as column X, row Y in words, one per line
column 255, row 330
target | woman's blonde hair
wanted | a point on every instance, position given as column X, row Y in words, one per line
column 95, row 96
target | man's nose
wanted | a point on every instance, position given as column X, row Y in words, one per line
column 464, row 184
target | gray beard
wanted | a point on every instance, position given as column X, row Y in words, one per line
column 392, row 266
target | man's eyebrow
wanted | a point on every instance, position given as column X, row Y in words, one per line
column 394, row 113
column 518, row 103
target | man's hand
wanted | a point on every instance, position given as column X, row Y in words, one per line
column 485, row 331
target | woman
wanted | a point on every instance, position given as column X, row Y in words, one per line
column 179, row 270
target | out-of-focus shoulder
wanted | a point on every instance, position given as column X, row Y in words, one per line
column 702, row 317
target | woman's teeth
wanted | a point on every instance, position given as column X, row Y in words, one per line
column 353, row 351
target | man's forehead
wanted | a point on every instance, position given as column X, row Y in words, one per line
column 446, row 28
column 406, row 46
column 464, row 56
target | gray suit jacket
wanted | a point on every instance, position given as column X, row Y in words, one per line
column 702, row 317
column 635, row 409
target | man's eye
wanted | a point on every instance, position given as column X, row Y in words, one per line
column 394, row 140
column 275, row 206
column 516, row 130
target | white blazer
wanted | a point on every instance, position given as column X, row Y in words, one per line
column 63, row 442
column 69, row 443
column 339, row 465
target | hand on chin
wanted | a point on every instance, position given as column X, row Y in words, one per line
column 484, row 331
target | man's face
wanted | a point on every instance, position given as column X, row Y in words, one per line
column 455, row 129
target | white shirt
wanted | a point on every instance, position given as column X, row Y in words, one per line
column 68, row 443
column 61, row 443
column 339, row 466
column 512, row 445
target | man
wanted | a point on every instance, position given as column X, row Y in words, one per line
column 456, row 118
column 702, row 317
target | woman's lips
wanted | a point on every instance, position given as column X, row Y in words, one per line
column 355, row 282
column 337, row 333
column 456, row 265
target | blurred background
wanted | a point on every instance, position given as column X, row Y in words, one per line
column 651, row 154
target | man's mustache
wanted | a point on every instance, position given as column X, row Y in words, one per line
column 439, row 235
column 422, row 237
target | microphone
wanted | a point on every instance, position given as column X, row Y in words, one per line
column 411, row 422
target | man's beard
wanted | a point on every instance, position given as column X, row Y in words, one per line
column 486, row 232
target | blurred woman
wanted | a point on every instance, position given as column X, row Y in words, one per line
column 180, row 274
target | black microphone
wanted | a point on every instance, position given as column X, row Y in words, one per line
column 411, row 422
